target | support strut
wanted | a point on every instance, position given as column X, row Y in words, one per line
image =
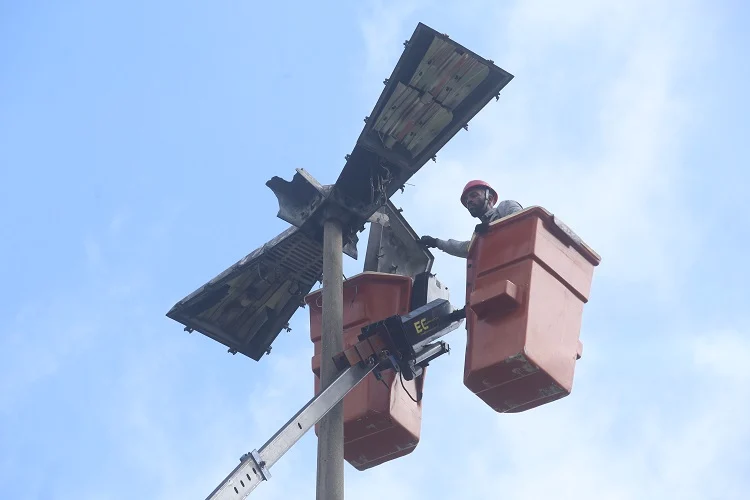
column 254, row 466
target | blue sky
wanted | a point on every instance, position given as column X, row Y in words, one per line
column 135, row 142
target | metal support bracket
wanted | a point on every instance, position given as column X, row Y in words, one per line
column 260, row 464
column 298, row 198
column 305, row 203
column 254, row 466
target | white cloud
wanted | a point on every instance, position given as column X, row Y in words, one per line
column 383, row 28
column 93, row 253
column 723, row 354
column 30, row 355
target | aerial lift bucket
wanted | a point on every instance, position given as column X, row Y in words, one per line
column 381, row 421
column 528, row 278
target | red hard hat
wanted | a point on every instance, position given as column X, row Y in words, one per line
column 474, row 184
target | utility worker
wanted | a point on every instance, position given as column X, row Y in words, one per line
column 479, row 199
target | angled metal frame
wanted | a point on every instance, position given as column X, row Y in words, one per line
column 436, row 88
column 246, row 306
column 393, row 246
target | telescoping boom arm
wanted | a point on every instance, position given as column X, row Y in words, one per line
column 253, row 467
column 402, row 343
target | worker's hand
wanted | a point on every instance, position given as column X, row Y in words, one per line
column 428, row 241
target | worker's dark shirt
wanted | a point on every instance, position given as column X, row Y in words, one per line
column 461, row 248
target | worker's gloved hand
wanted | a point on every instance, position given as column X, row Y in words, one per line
column 428, row 241
column 481, row 228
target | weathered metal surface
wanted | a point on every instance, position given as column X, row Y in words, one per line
column 304, row 203
column 246, row 306
column 412, row 118
column 448, row 74
column 418, row 111
column 395, row 248
column 299, row 198
column 372, row 254
column 436, row 88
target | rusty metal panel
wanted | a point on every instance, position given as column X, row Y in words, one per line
column 448, row 74
column 246, row 306
column 393, row 246
column 298, row 199
column 303, row 202
column 411, row 118
column 436, row 88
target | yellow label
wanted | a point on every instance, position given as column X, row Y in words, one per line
column 421, row 326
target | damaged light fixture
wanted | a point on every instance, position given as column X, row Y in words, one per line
column 435, row 89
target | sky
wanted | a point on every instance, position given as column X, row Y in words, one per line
column 135, row 142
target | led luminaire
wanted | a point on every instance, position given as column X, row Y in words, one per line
column 417, row 113
column 246, row 306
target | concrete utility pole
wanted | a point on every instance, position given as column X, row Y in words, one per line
column 330, row 478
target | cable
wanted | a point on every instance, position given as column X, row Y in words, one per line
column 419, row 394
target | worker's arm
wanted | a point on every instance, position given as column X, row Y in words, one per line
column 453, row 247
